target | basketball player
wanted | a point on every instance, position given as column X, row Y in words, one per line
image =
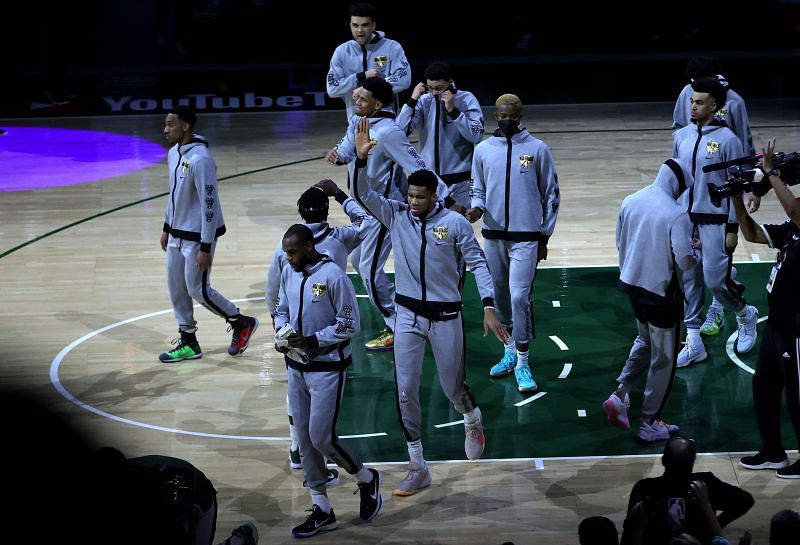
column 192, row 223
column 515, row 190
column 431, row 245
column 318, row 304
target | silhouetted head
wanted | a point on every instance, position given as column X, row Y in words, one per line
column 597, row 531
column 313, row 205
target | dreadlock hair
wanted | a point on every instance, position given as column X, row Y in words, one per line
column 313, row 205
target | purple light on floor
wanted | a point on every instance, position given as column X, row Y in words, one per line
column 38, row 158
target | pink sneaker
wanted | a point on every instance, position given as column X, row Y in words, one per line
column 617, row 411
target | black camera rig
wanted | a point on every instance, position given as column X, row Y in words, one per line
column 740, row 175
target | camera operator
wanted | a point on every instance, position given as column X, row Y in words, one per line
column 778, row 360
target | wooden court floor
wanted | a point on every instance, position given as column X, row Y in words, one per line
column 85, row 312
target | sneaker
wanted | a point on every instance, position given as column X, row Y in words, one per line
column 474, row 442
column 525, row 382
column 317, row 521
column 657, row 431
column 183, row 351
column 505, row 366
column 790, row 472
column 243, row 329
column 715, row 321
column 294, row 459
column 382, row 343
column 760, row 460
column 746, row 334
column 371, row 500
column 617, row 411
column 691, row 353
column 332, row 478
column 247, row 532
column 416, row 480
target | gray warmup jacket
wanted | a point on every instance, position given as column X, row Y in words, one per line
column 350, row 60
column 337, row 242
column 516, row 186
column 698, row 147
column 320, row 304
column 429, row 253
column 734, row 114
column 193, row 209
column 447, row 140
column 654, row 234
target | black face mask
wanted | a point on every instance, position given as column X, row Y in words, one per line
column 510, row 127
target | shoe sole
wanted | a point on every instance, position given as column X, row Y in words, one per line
column 612, row 412
column 240, row 352
column 787, row 476
column 525, row 390
column 503, row 374
column 710, row 333
column 295, row 466
column 326, row 528
column 195, row 357
column 404, row 493
column 766, row 465
column 736, row 347
column 380, row 349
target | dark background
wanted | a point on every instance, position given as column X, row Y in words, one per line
column 69, row 55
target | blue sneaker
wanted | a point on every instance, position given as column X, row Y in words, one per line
column 504, row 367
column 525, row 382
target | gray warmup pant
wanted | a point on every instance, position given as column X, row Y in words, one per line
column 369, row 259
column 447, row 343
column 513, row 267
column 713, row 271
column 314, row 399
column 655, row 348
column 187, row 284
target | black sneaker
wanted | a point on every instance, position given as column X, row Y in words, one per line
column 246, row 532
column 761, row 461
column 317, row 521
column 371, row 500
column 333, row 478
column 243, row 328
column 790, row 472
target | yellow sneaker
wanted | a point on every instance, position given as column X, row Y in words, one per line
column 382, row 343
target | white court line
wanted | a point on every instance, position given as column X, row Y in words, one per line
column 755, row 257
column 566, row 370
column 448, row 424
column 732, row 353
column 530, row 399
column 581, row 413
column 54, row 366
column 559, row 342
column 556, row 304
column 359, row 295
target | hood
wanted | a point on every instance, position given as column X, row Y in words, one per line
column 377, row 36
column 197, row 140
column 673, row 177
column 314, row 267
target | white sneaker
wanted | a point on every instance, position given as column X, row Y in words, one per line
column 474, row 442
column 746, row 334
column 691, row 353
column 657, row 431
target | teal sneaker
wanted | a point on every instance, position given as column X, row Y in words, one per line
column 504, row 367
column 184, row 351
column 715, row 321
column 525, row 382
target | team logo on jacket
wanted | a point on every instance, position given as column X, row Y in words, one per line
column 525, row 162
column 711, row 148
column 439, row 233
column 184, row 166
column 722, row 112
column 318, row 289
